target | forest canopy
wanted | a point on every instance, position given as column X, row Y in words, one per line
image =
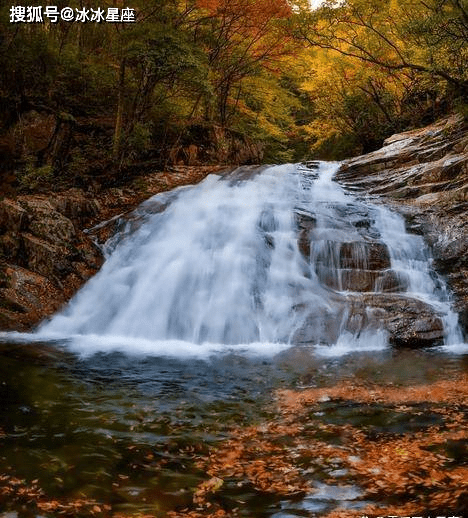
column 221, row 81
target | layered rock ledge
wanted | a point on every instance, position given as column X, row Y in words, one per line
column 423, row 174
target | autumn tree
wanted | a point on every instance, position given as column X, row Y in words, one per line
column 242, row 38
column 380, row 66
column 429, row 37
column 158, row 60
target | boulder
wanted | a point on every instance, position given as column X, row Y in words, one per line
column 320, row 324
column 28, row 297
column 45, row 258
column 52, row 226
column 75, row 205
column 13, row 217
column 409, row 322
column 432, row 159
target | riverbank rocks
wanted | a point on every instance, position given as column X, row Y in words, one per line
column 423, row 174
column 44, row 255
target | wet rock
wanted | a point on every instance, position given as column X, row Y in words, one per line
column 364, row 256
column 267, row 221
column 312, row 164
column 409, row 322
column 306, row 223
column 240, row 174
column 424, row 175
column 356, row 255
column 348, row 280
column 391, row 281
column 320, row 325
column 363, row 280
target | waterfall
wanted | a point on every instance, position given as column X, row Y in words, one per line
column 259, row 259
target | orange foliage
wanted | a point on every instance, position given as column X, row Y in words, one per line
column 256, row 12
column 443, row 391
column 407, row 472
column 403, row 474
column 244, row 36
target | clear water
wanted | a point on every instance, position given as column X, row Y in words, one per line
column 125, row 431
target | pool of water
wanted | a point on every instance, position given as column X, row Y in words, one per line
column 126, row 431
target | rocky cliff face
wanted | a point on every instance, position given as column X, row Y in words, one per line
column 423, row 174
column 45, row 255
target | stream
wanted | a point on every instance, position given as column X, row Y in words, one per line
column 211, row 299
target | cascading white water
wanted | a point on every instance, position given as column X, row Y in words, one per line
column 411, row 259
column 221, row 265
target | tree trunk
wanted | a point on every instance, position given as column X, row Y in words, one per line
column 57, row 151
column 120, row 109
